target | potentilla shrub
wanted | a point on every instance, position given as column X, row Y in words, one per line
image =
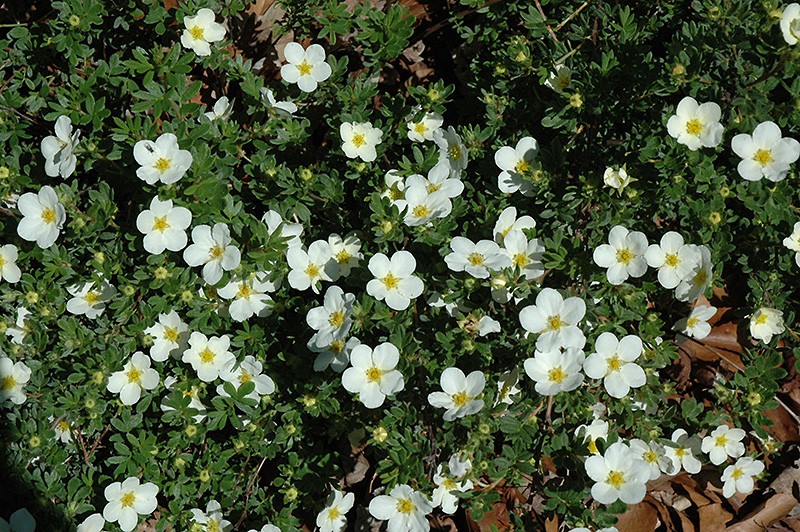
column 460, row 247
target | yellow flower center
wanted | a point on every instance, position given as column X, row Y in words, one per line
column 160, row 223
column 694, row 127
column 62, row 426
column 2, row 262
column 691, row 322
column 433, row 187
column 207, row 356
column 128, row 499
column 304, row 68
column 49, row 216
column 737, row 473
column 212, row 526
column 245, row 377
column 374, row 374
column 162, row 163
column 134, row 375
column 336, row 319
column 395, row 193
column 460, row 399
column 593, row 447
column 312, row 270
column 522, row 166
column 763, row 157
column 614, row 363
column 391, row 282
column 476, row 259
column 554, row 323
column 721, row 441
column 521, row 260
column 420, row 128
column 359, row 140
column 337, row 346
column 624, row 255
column 762, row 319
column 454, row 152
column 671, row 260
column 420, row 211
column 701, row 277
column 216, row 252
column 615, row 479
column 333, row 513
column 556, row 375
column 197, row 32
column 343, row 256
column 8, row 383
column 244, row 291
column 171, row 334
column 650, row 456
column 680, row 452
column 448, row 484
column 91, row 297
column 405, row 506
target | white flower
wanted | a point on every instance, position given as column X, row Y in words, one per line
column 487, row 325
column 507, row 387
column 8, row 267
column 13, row 378
column 617, row 179
column 373, row 376
column 248, row 370
column 597, row 429
column 63, row 429
column 208, row 356
column 93, row 523
column 618, row 474
column 266, row 528
column 210, row 247
column 284, row 109
column 360, row 140
column 554, row 371
column 135, row 376
column 212, row 518
column 222, row 109
column 460, row 395
column 675, row 260
column 128, row 500
column 696, row 325
column 476, row 258
column 793, row 241
column 20, row 521
column 333, row 319
column 446, row 487
column 518, row 166
column 508, row 221
column 43, row 218
column 653, row 455
column 790, row 23
column 86, row 299
column 309, row 268
column 201, row 30
column 613, row 361
column 696, row 125
column 395, row 188
column 306, row 67
column 560, row 80
column 163, row 226
column 345, row 252
column 20, row 329
column 439, row 180
column 452, row 152
column 332, row 517
column 739, row 477
column 394, row 281
column 525, row 254
column 404, row 508
column 336, row 355
column 421, row 207
column 555, row 320
column 722, row 443
column 249, row 296
column 425, row 128
column 692, row 288
column 169, row 335
column 291, row 231
column 766, row 322
column 681, row 453
column 766, row 153
column 192, row 392
column 624, row 255
column 58, row 149
column 162, row 160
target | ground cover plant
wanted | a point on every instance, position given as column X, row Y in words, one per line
column 420, row 265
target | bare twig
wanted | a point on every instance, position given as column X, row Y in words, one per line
column 544, row 18
column 249, row 491
column 573, row 15
column 96, row 443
